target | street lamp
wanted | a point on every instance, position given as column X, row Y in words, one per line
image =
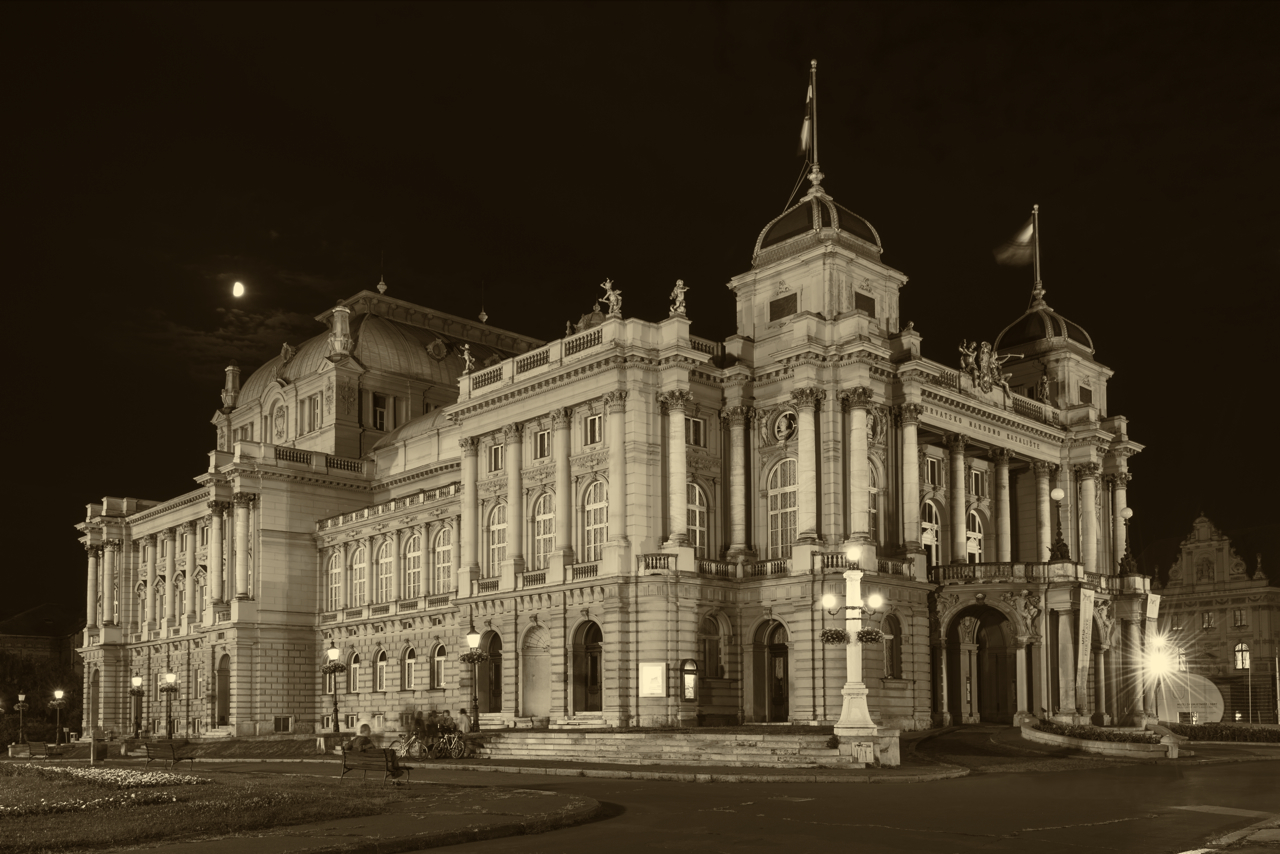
column 20, row 707
column 169, row 688
column 59, row 704
column 855, row 718
column 1059, row 550
column 333, row 667
column 1159, row 662
column 1128, row 566
column 137, row 692
column 476, row 656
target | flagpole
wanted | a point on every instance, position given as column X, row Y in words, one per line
column 1035, row 236
column 813, row 82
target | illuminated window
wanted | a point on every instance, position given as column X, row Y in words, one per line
column 974, row 538
column 544, row 530
column 413, row 567
column 1239, row 617
column 497, row 540
column 1242, row 656
column 696, row 503
column 1206, row 620
column 382, row 584
column 442, row 563
column 782, row 508
column 596, row 527
column 930, row 533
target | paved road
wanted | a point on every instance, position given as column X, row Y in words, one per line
column 1009, row 805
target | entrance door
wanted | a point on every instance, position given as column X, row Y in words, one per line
column 588, row 673
column 535, row 673
column 493, row 670
column 770, row 674
column 223, row 710
column 779, row 699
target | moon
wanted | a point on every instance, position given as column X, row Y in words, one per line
column 237, row 290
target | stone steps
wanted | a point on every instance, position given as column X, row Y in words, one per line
column 663, row 748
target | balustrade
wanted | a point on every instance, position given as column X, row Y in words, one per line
column 581, row 571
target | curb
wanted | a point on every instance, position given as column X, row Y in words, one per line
column 680, row 777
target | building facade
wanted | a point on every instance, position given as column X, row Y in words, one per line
column 1221, row 617
column 641, row 524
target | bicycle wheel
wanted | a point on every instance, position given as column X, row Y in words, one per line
column 457, row 749
column 416, row 750
column 398, row 747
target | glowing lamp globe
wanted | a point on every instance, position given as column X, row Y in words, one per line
column 829, row 601
column 171, row 678
column 875, row 600
column 57, row 695
column 332, row 652
column 1057, row 494
column 473, row 639
column 137, row 681
column 1126, row 513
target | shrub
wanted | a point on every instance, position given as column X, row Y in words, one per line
column 1225, row 732
column 1094, row 733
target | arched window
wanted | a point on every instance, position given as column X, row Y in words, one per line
column 873, row 504
column 696, row 502
column 973, row 538
column 413, row 567
column 709, row 646
column 380, row 671
column 930, row 533
column 544, row 530
column 596, row 529
column 334, row 598
column 437, row 667
column 892, row 629
column 497, row 540
column 442, row 563
column 782, row 508
column 359, row 580
column 1242, row 656
column 408, row 681
column 353, row 674
column 382, row 585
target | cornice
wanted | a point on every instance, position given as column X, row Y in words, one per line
column 172, row 504
column 1002, row 420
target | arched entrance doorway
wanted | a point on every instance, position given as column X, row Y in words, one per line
column 588, row 680
column 222, row 711
column 95, row 697
column 535, row 673
column 771, row 673
column 490, row 692
column 981, row 661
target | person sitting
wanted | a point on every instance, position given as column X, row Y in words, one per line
column 464, row 722
column 364, row 742
column 447, row 723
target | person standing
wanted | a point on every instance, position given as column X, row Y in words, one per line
column 464, row 722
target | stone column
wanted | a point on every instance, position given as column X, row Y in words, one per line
column 615, row 403
column 1020, row 654
column 564, row 484
column 1066, row 662
column 242, row 501
column 468, row 565
column 1100, row 683
column 858, row 401
column 513, row 437
column 153, row 544
column 1044, row 516
column 91, row 611
column 675, row 403
column 940, row 696
column 911, row 475
column 216, row 508
column 1131, row 668
column 959, row 543
column 1148, row 684
column 737, row 416
column 1004, row 533
column 1119, row 502
column 1089, row 516
column 396, row 565
column 189, row 587
column 170, row 573
column 806, row 401
column 112, row 549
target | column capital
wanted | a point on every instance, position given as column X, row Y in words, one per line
column 858, row 397
column 737, row 415
column 513, row 432
column 911, row 413
column 675, row 401
column 1088, row 471
column 1120, row 478
column 616, row 400
column 808, row 397
column 189, row 526
column 243, row 499
column 93, row 549
column 170, row 533
column 955, row 442
column 560, row 417
column 151, row 539
column 470, row 445
column 111, row 545
column 1000, row 456
column 1043, row 469
column 217, row 508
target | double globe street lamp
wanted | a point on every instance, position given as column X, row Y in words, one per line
column 136, row 692
column 20, row 707
column 474, row 656
column 169, row 688
column 333, row 667
column 58, row 703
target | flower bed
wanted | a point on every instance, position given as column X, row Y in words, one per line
column 1224, row 732
column 110, row 778
column 1093, row 733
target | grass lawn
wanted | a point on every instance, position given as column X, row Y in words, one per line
column 73, row 808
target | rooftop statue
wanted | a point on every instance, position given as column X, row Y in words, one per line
column 468, row 360
column 984, row 367
column 612, row 297
column 677, row 294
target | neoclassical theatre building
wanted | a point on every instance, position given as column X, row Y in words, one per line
column 641, row 524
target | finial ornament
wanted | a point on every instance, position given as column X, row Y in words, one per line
column 612, row 297
column 677, row 294
column 382, row 284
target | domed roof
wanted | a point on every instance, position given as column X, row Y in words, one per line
column 433, row 420
column 1043, row 328
column 815, row 219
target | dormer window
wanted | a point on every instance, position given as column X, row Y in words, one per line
column 379, row 412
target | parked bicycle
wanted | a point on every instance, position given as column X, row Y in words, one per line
column 410, row 747
column 450, row 744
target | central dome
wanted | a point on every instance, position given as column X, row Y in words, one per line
column 1042, row 328
column 816, row 219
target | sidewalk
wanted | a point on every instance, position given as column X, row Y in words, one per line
column 1193, row 753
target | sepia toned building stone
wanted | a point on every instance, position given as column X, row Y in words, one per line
column 640, row 523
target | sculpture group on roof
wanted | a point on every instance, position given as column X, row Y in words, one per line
column 984, row 367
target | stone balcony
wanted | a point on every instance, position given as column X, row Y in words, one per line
column 1062, row 571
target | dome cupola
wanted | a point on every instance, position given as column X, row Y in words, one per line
column 815, row 220
column 1041, row 328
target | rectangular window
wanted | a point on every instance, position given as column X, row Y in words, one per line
column 495, row 457
column 351, row 722
column 1086, row 395
column 542, row 445
column 782, row 307
column 413, row 575
column 409, row 677
column 695, row 432
column 933, row 471
column 1238, row 617
column 437, row 669
column 594, row 427
column 327, row 722
column 204, row 535
column 379, row 412
column 283, row 723
column 1206, row 620
column 379, row 721
column 313, row 413
column 978, row 482
column 862, row 302
column 380, row 675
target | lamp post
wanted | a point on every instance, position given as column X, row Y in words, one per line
column 169, row 688
column 473, row 642
column 333, row 667
column 1128, row 566
column 59, row 704
column 1059, row 550
column 136, row 693
column 855, row 718
column 20, row 707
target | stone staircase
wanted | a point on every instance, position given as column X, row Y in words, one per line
column 665, row 748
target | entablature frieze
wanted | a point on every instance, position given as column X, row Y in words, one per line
column 950, row 414
column 515, row 393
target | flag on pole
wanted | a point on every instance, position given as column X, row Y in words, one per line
column 806, row 130
column 1019, row 249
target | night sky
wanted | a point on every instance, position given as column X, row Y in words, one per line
column 158, row 153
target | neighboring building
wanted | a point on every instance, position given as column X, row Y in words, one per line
column 640, row 523
column 1222, row 618
column 48, row 633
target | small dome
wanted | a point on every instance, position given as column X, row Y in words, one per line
column 815, row 219
column 1043, row 328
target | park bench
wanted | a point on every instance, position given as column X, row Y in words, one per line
column 40, row 750
column 365, row 761
column 172, row 752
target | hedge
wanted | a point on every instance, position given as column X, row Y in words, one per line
column 1094, row 733
column 1224, row 732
